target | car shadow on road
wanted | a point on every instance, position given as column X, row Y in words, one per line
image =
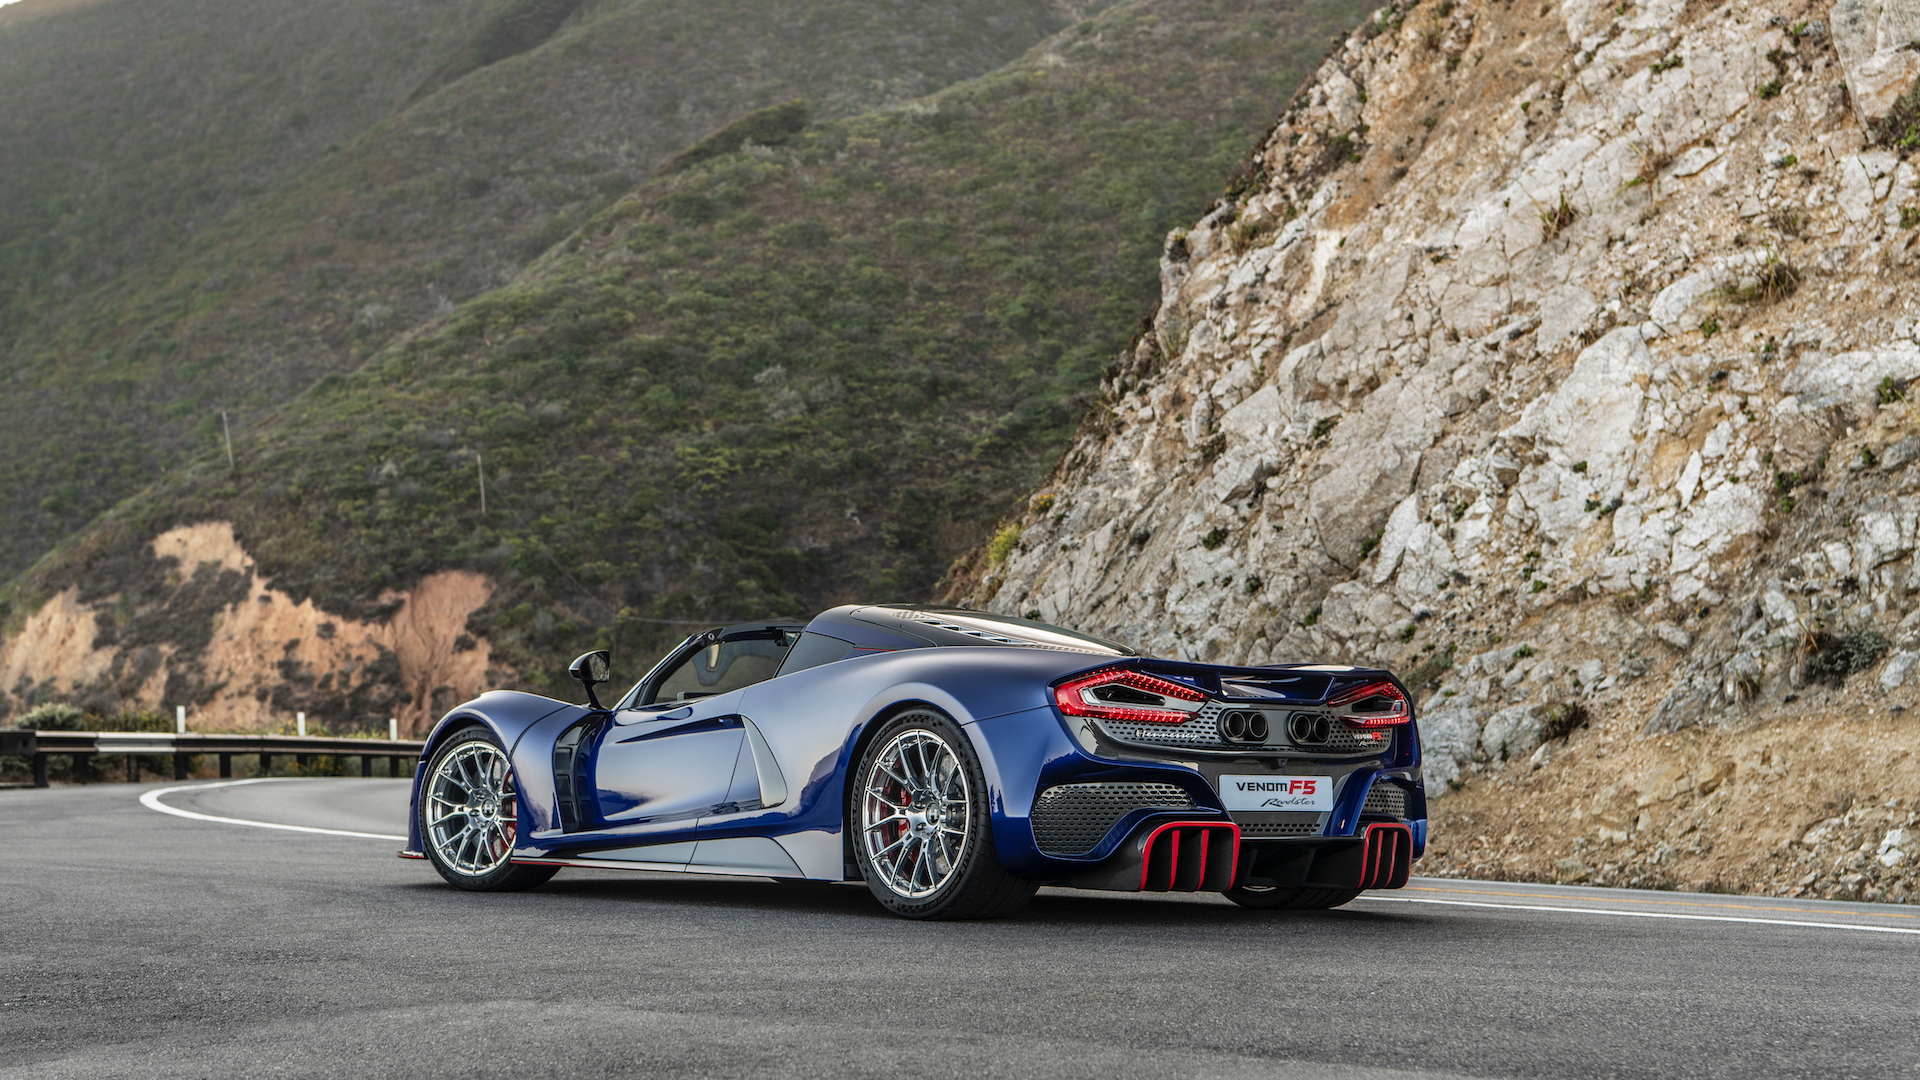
column 1052, row 907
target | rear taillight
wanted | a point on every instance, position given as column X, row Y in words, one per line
column 1118, row 694
column 1376, row 704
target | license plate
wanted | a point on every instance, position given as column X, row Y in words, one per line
column 1270, row 792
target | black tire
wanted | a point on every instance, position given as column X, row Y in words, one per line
column 475, row 858
column 972, row 885
column 1269, row 896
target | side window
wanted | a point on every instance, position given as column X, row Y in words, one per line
column 721, row 667
column 814, row 650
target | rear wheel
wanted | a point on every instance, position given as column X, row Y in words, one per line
column 469, row 816
column 1272, row 896
column 923, row 836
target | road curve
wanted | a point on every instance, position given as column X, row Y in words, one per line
column 150, row 944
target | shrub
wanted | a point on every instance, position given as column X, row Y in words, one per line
column 1563, row 719
column 1002, row 544
column 54, row 716
column 1554, row 219
column 1832, row 658
column 774, row 125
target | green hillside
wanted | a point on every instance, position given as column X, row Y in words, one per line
column 129, row 125
column 776, row 378
column 223, row 201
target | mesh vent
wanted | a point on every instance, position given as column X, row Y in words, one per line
column 1269, row 826
column 1072, row 819
column 999, row 639
column 1386, row 798
column 1202, row 732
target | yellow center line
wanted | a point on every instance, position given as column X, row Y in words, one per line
column 1674, row 903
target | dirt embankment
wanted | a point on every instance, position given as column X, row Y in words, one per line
column 1815, row 796
column 198, row 626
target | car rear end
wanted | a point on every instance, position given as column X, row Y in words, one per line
column 1191, row 777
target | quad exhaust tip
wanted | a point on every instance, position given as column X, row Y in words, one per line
column 1310, row 729
column 1241, row 725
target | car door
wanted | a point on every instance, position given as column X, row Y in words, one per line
column 661, row 770
column 669, row 757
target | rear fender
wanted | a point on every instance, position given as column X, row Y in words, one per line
column 882, row 707
column 817, row 734
column 1015, row 752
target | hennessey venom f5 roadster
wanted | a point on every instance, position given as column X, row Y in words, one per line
column 953, row 760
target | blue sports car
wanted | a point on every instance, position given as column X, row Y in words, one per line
column 953, row 760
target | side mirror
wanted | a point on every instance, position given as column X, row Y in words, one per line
column 590, row 671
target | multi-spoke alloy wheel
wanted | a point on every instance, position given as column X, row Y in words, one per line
column 469, row 816
column 470, row 808
column 914, row 813
column 922, row 834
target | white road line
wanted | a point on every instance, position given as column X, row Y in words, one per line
column 1649, row 914
column 151, row 800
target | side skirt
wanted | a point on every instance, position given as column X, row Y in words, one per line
column 670, row 868
column 740, row 856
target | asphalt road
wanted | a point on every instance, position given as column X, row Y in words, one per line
column 141, row 944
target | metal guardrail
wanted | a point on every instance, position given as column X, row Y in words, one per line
column 84, row 745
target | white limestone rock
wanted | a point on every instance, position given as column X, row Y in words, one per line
column 1852, row 377
column 1875, row 41
column 1448, row 737
column 1893, row 847
column 1512, row 732
column 1894, row 673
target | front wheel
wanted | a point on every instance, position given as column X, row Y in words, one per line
column 1271, row 896
column 469, row 816
column 923, row 836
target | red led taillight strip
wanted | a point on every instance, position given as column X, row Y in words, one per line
column 1388, row 705
column 1074, row 697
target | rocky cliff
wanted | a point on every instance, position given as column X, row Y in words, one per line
column 1556, row 355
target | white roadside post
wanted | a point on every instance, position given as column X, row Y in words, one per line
column 300, row 724
column 393, row 728
column 179, row 719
